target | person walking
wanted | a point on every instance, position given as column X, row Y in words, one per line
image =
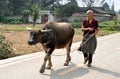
column 89, row 42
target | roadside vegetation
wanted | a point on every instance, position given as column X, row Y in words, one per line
column 6, row 49
column 105, row 28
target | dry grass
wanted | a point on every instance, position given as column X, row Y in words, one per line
column 19, row 40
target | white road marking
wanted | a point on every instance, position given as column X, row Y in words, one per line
column 19, row 59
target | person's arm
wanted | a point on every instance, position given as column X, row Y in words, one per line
column 96, row 30
column 85, row 29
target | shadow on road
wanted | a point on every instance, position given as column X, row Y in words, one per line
column 76, row 72
column 116, row 74
column 72, row 71
column 79, row 72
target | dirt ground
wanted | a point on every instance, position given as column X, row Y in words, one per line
column 19, row 40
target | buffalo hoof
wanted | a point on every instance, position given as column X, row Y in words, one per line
column 42, row 70
column 66, row 64
column 69, row 59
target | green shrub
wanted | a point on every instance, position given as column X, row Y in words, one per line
column 76, row 24
column 2, row 17
column 5, row 48
column 12, row 21
column 118, row 22
column 108, row 25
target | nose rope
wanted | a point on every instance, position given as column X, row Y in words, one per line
column 85, row 41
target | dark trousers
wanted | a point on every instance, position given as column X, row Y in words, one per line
column 89, row 56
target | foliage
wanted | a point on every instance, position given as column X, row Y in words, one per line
column 118, row 22
column 46, row 4
column 10, row 20
column 25, row 16
column 76, row 24
column 56, row 10
column 35, row 10
column 108, row 25
column 68, row 9
column 5, row 48
column 16, row 7
column 88, row 3
column 93, row 3
column 2, row 17
column 58, row 7
column 102, row 32
column 3, row 7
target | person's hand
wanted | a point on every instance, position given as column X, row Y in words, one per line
column 90, row 29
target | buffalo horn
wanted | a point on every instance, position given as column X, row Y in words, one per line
column 46, row 30
column 28, row 28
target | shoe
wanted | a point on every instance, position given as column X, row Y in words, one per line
column 85, row 60
column 89, row 65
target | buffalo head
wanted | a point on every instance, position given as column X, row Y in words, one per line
column 36, row 36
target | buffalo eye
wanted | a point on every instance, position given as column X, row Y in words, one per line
column 35, row 34
column 31, row 33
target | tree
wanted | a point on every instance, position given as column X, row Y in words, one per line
column 72, row 1
column 89, row 3
column 65, row 10
column 68, row 9
column 16, row 7
column 46, row 4
column 35, row 10
column 93, row 3
column 56, row 10
column 25, row 15
column 3, row 5
column 3, row 9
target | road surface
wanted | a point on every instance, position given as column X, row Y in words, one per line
column 106, row 63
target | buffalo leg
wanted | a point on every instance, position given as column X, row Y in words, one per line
column 44, row 64
column 47, row 57
column 49, row 63
column 68, row 58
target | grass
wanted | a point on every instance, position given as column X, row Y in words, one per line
column 105, row 28
column 22, row 27
column 18, row 27
column 106, row 32
column 102, row 32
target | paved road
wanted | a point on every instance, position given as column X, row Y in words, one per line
column 106, row 63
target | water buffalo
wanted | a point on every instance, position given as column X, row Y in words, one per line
column 53, row 36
